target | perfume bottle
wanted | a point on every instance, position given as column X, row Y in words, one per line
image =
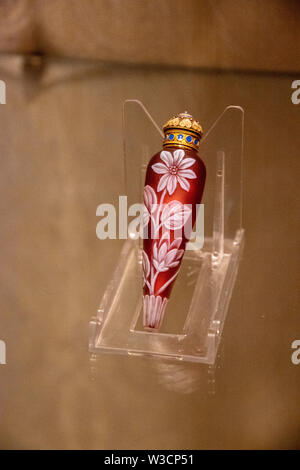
column 174, row 185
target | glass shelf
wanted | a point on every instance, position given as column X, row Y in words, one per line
column 197, row 309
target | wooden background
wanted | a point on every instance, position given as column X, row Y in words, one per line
column 230, row 34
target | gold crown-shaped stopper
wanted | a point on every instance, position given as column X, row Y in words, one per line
column 183, row 131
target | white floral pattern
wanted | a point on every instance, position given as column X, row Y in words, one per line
column 150, row 203
column 166, row 255
column 153, row 310
column 169, row 217
column 175, row 215
column 174, row 169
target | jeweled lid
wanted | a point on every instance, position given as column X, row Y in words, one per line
column 182, row 131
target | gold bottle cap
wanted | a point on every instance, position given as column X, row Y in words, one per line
column 182, row 131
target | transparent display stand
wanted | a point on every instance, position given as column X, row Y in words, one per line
column 198, row 305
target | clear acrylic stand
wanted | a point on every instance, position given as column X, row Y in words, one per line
column 196, row 311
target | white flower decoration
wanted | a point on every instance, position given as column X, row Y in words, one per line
column 175, row 215
column 166, row 255
column 174, row 170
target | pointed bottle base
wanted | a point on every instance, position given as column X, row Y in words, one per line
column 153, row 311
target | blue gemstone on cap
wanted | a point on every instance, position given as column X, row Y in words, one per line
column 196, row 141
column 171, row 136
column 179, row 137
column 189, row 138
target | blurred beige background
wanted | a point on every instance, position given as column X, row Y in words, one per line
column 222, row 34
column 61, row 148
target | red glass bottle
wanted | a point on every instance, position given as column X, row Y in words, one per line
column 173, row 188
